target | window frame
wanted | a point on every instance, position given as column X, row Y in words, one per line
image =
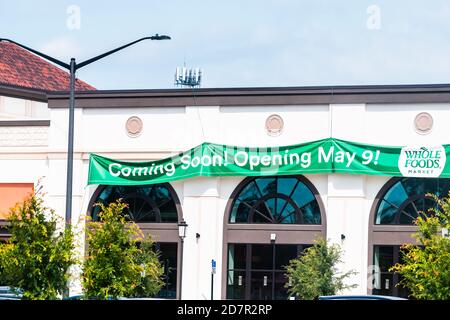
column 262, row 200
column 161, row 232
column 386, row 234
column 249, row 269
column 381, row 197
column 260, row 233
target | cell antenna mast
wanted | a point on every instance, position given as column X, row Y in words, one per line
column 185, row 77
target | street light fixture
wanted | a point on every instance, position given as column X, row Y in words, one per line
column 73, row 67
column 182, row 226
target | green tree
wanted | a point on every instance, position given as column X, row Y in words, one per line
column 4, row 253
column 36, row 259
column 425, row 269
column 314, row 272
column 120, row 262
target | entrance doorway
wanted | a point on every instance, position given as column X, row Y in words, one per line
column 386, row 282
column 257, row 271
column 168, row 257
column 269, row 221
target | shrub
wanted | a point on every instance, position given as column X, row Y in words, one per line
column 314, row 272
column 120, row 262
column 425, row 269
column 36, row 259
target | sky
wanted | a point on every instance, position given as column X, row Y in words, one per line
column 241, row 43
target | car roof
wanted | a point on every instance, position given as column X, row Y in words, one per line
column 360, row 297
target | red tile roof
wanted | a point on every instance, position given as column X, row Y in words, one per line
column 19, row 67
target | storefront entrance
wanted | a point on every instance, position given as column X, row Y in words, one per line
column 168, row 257
column 257, row 271
column 384, row 281
column 268, row 222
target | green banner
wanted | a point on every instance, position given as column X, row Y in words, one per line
column 323, row 156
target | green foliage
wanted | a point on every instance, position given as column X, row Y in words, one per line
column 425, row 269
column 314, row 272
column 38, row 255
column 120, row 262
column 4, row 253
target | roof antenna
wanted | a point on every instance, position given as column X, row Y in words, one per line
column 190, row 78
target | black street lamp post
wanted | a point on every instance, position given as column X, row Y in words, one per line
column 73, row 67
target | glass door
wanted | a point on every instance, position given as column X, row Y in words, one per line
column 384, row 281
column 257, row 271
column 168, row 258
column 261, row 285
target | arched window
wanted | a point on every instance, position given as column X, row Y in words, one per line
column 157, row 210
column 391, row 225
column 403, row 201
column 277, row 200
column 268, row 221
column 148, row 203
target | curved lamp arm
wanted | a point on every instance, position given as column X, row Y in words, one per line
column 155, row 37
column 84, row 63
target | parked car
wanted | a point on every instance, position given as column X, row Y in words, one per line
column 76, row 297
column 360, row 297
column 6, row 293
column 81, row 297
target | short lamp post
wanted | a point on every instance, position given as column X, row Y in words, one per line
column 182, row 226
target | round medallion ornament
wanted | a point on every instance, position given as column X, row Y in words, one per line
column 274, row 125
column 423, row 123
column 134, row 126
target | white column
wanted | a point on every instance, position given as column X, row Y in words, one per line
column 346, row 225
column 346, row 205
column 200, row 205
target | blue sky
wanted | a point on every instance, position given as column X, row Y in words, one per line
column 242, row 43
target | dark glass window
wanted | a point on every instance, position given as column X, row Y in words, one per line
column 262, row 257
column 236, row 284
column 384, row 281
column 148, row 203
column 407, row 198
column 257, row 271
column 283, row 254
column 4, row 231
column 168, row 259
column 236, row 256
column 278, row 200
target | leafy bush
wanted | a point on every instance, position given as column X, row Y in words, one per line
column 4, row 253
column 120, row 262
column 314, row 272
column 36, row 258
column 425, row 269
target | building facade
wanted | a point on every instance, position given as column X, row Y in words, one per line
column 25, row 80
column 252, row 226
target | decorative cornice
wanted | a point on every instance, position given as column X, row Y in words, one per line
column 433, row 93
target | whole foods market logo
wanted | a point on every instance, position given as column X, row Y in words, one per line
column 421, row 161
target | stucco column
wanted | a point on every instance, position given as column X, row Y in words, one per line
column 346, row 211
column 200, row 209
column 346, row 226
